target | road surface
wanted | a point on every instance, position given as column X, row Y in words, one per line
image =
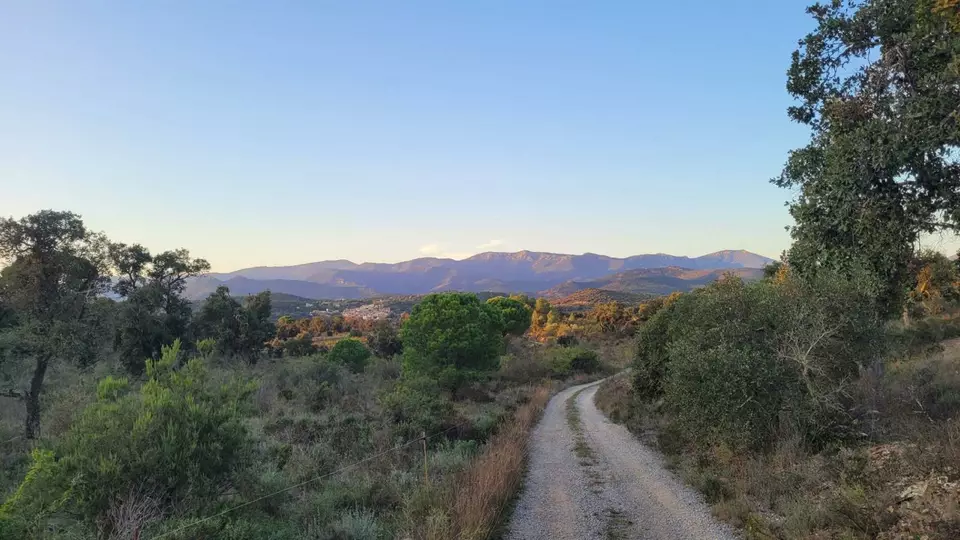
column 598, row 481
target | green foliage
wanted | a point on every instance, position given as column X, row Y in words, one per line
column 566, row 361
column 452, row 334
column 53, row 271
column 351, row 353
column 650, row 368
column 417, row 405
column 516, row 314
column 154, row 312
column 875, row 83
column 179, row 437
column 730, row 358
column 240, row 330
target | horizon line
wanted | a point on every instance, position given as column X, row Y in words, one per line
column 490, row 252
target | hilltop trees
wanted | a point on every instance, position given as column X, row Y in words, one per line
column 55, row 270
column 877, row 84
column 154, row 312
column 240, row 330
column 451, row 335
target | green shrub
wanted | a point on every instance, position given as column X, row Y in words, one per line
column 651, row 364
column 180, row 437
column 570, row 360
column 515, row 313
column 731, row 358
column 418, row 404
column 351, row 353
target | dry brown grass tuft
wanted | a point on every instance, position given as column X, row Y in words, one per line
column 489, row 484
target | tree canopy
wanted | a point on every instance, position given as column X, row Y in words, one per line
column 154, row 313
column 877, row 83
column 56, row 269
column 451, row 331
column 515, row 312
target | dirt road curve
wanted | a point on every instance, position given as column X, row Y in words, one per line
column 598, row 481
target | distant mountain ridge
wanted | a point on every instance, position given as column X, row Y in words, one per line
column 522, row 271
column 650, row 281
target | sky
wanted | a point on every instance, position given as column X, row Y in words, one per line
column 274, row 133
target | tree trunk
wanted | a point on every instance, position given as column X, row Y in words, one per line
column 32, row 399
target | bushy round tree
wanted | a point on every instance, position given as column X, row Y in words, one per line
column 452, row 335
column 351, row 353
column 516, row 314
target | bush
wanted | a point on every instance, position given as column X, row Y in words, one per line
column 569, row 360
column 180, row 437
column 299, row 346
column 729, row 359
column 416, row 405
column 351, row 353
column 524, row 367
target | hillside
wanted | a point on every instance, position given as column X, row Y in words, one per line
column 593, row 296
column 649, row 281
column 522, row 271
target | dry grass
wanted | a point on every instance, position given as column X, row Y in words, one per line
column 488, row 485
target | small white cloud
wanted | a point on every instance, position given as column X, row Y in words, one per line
column 430, row 249
column 491, row 244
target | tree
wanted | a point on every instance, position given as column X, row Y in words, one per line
column 516, row 314
column 612, row 317
column 384, row 339
column 877, row 84
column 351, row 353
column 237, row 329
column 154, row 313
column 935, row 280
column 541, row 310
column 55, row 270
column 450, row 335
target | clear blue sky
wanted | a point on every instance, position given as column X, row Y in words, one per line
column 285, row 132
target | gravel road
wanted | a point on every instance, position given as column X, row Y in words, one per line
column 599, row 481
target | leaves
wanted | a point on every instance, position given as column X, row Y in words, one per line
column 877, row 82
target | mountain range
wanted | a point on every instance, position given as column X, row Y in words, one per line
column 650, row 281
column 522, row 271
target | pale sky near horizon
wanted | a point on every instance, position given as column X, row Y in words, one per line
column 272, row 133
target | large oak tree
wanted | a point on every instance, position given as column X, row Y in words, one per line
column 878, row 83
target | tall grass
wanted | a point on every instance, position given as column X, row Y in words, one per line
column 474, row 506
